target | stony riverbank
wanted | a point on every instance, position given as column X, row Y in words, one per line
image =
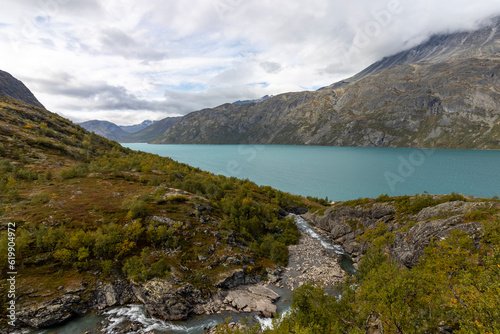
column 310, row 262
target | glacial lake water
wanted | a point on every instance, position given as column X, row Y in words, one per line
column 345, row 173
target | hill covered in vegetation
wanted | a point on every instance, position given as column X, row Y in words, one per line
column 99, row 225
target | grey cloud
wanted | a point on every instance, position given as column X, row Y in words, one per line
column 270, row 66
column 116, row 42
column 96, row 95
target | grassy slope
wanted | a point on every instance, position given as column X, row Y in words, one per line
column 83, row 205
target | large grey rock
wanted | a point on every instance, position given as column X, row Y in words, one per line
column 166, row 300
column 409, row 247
column 236, row 278
column 113, row 294
column 253, row 299
column 49, row 313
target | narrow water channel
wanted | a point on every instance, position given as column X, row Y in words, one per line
column 327, row 243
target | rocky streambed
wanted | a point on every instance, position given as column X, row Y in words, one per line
column 309, row 261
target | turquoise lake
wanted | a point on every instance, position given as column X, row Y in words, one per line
column 344, row 173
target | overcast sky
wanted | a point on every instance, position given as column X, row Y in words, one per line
column 126, row 61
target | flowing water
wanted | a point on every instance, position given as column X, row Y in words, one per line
column 327, row 243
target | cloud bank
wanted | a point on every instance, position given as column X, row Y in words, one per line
column 126, row 61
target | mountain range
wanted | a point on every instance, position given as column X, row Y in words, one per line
column 443, row 93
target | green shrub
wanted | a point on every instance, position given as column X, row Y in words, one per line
column 106, row 267
column 136, row 208
column 40, row 198
column 135, row 269
column 279, row 253
column 73, row 172
column 476, row 215
column 383, row 198
column 159, row 268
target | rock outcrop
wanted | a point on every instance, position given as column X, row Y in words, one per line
column 113, row 294
column 253, row 299
column 345, row 224
column 50, row 313
column 236, row 278
column 164, row 299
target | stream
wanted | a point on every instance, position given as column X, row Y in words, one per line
column 133, row 319
column 327, row 243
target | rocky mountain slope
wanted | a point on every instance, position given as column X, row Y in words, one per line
column 136, row 127
column 11, row 88
column 444, row 93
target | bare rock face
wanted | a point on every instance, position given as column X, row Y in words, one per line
column 113, row 294
column 50, row 313
column 409, row 247
column 236, row 278
column 166, row 300
column 253, row 299
column 345, row 223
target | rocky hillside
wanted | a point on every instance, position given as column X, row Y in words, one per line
column 154, row 130
column 408, row 224
column 136, row 127
column 98, row 225
column 442, row 94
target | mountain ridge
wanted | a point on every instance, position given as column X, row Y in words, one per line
column 428, row 96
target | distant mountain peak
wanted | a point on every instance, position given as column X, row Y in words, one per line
column 136, row 127
column 253, row 101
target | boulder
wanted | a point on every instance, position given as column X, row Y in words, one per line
column 236, row 278
column 113, row 294
column 166, row 300
column 50, row 313
column 253, row 299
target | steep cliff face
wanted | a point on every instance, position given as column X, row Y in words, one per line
column 406, row 224
column 444, row 93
